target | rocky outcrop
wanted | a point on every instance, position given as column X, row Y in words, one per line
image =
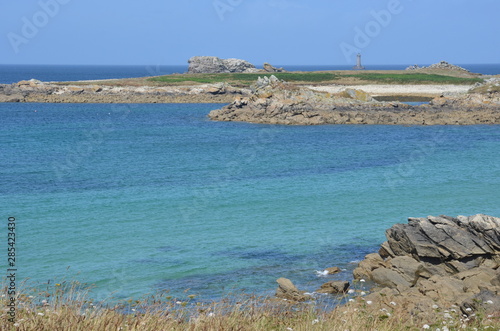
column 414, row 67
column 277, row 102
column 212, row 64
column 35, row 91
column 439, row 260
column 270, row 68
column 441, row 65
column 334, row 287
column 287, row 290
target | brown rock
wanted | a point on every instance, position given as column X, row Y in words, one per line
column 409, row 268
column 389, row 278
column 334, row 287
column 333, row 270
column 287, row 290
column 478, row 278
column 11, row 98
column 365, row 267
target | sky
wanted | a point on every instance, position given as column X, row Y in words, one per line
column 281, row 32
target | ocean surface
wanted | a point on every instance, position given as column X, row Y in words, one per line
column 14, row 73
column 143, row 198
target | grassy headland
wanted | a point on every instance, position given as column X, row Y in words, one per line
column 320, row 78
column 341, row 77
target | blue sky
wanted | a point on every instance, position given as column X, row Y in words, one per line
column 160, row 32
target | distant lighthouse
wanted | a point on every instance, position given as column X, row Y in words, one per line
column 358, row 65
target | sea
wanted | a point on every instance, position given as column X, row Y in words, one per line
column 14, row 73
column 137, row 199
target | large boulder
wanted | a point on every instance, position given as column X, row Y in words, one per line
column 237, row 65
column 206, row 64
column 450, row 260
column 214, row 65
column 287, row 290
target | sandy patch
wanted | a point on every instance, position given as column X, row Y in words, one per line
column 397, row 89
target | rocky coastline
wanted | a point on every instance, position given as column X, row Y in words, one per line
column 89, row 92
column 276, row 102
column 427, row 264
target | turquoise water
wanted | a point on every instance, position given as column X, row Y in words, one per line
column 140, row 198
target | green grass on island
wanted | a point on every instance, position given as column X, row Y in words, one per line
column 349, row 77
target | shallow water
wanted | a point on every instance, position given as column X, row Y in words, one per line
column 140, row 198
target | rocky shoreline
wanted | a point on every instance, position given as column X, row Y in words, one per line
column 37, row 91
column 428, row 264
column 277, row 102
column 271, row 101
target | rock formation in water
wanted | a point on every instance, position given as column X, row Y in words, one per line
column 214, row 65
column 37, row 91
column 440, row 261
column 277, row 102
column 287, row 290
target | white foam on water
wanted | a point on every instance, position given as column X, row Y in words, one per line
column 323, row 273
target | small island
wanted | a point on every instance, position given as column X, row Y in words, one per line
column 451, row 94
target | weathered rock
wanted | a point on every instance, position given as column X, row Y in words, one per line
column 287, row 290
column 237, row 65
column 219, row 88
column 365, row 267
column 206, row 64
column 333, row 270
column 486, row 301
column 334, row 287
column 270, row 68
column 389, row 278
column 441, row 65
column 478, row 278
column 284, row 103
column 446, row 65
column 445, row 259
column 29, row 83
column 356, row 95
column 444, row 238
column 11, row 98
column 253, row 71
column 96, row 89
column 212, row 64
column 413, row 67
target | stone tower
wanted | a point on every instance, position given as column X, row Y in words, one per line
column 358, row 65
